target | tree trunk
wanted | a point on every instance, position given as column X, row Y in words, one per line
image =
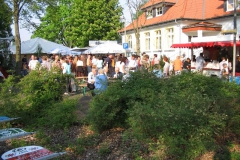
column 17, row 37
column 138, row 42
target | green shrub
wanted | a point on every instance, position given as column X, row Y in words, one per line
column 187, row 111
column 31, row 95
column 59, row 115
column 108, row 110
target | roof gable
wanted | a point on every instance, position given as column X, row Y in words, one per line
column 185, row 9
column 154, row 2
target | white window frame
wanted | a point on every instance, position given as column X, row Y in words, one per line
column 159, row 11
column 130, row 41
column 149, row 13
column 230, row 4
column 170, row 37
column 147, row 41
column 158, row 39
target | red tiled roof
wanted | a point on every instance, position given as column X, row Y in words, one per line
column 185, row 9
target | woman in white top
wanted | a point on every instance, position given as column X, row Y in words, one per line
column 123, row 65
column 99, row 63
column 79, row 67
column 166, row 67
column 118, row 62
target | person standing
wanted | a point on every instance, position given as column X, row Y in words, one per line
column 99, row 63
column 45, row 63
column 84, row 60
column 24, row 59
column 66, row 69
column 177, row 65
column 122, row 67
column 187, row 65
column 200, row 63
column 155, row 60
column 79, row 67
column 89, row 63
column 33, row 63
column 132, row 65
column 94, row 61
column 165, row 67
column 56, row 65
column 224, row 72
column 91, row 80
column 108, row 63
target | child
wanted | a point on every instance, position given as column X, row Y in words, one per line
column 171, row 69
column 25, row 70
column 225, row 72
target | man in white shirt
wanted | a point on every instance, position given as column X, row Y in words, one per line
column 200, row 62
column 94, row 60
column 132, row 64
column 33, row 63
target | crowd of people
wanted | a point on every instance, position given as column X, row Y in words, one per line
column 115, row 66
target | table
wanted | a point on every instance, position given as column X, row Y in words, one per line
column 82, row 83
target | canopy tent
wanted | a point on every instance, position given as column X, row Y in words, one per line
column 107, row 47
column 32, row 46
column 205, row 44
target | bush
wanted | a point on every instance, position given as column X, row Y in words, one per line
column 59, row 115
column 108, row 110
column 29, row 97
column 185, row 113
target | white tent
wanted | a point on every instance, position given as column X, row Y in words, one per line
column 31, row 46
column 107, row 47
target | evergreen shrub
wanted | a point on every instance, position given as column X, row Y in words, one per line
column 29, row 97
column 184, row 114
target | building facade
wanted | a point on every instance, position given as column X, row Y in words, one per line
column 169, row 27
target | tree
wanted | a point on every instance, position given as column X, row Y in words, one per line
column 75, row 23
column 138, row 17
column 5, row 20
column 137, row 21
column 25, row 8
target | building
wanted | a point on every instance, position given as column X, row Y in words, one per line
column 171, row 27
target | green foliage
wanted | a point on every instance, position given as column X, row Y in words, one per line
column 74, row 24
column 185, row 113
column 85, row 142
column 59, row 115
column 15, row 143
column 104, row 149
column 33, row 95
column 5, row 19
column 42, row 138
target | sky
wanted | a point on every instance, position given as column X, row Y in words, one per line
column 26, row 35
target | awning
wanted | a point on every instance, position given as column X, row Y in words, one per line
column 205, row 44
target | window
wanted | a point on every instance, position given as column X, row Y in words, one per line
column 230, row 5
column 159, row 11
column 147, row 41
column 170, row 37
column 158, row 39
column 130, row 41
column 149, row 14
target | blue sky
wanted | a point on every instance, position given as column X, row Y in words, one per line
column 26, row 35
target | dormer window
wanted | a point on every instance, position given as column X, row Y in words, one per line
column 149, row 13
column 230, row 5
column 159, row 11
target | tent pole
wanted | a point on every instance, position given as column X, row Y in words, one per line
column 234, row 38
